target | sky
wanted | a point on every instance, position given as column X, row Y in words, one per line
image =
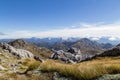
column 59, row 18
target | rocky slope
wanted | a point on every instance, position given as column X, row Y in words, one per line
column 20, row 53
column 37, row 51
column 73, row 55
column 12, row 63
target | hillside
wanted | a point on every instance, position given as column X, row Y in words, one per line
column 88, row 46
column 38, row 51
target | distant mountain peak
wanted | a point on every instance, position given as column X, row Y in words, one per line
column 19, row 41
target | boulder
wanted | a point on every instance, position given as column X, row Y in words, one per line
column 73, row 55
column 74, row 50
column 56, row 54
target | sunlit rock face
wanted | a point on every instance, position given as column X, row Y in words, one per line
column 21, row 53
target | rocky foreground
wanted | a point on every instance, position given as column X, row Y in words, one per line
column 17, row 62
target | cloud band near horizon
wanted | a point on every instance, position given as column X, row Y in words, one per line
column 82, row 31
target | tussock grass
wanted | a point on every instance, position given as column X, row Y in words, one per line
column 85, row 70
column 31, row 64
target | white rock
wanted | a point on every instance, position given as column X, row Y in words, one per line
column 2, row 68
column 17, row 52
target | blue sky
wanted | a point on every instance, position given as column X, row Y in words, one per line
column 34, row 16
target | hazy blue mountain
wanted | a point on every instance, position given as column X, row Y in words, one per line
column 106, row 40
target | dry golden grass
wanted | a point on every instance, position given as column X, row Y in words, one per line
column 31, row 64
column 85, row 70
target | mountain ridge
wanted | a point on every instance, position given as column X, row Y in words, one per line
column 37, row 51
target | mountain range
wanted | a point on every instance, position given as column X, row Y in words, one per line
column 84, row 44
column 70, row 39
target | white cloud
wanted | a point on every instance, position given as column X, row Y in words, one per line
column 85, row 30
column 95, row 38
column 112, row 38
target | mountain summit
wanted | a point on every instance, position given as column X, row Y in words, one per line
column 19, row 43
column 37, row 51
